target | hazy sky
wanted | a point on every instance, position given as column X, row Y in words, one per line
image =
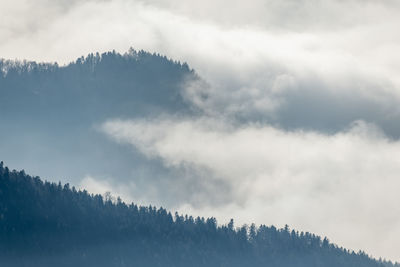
column 301, row 119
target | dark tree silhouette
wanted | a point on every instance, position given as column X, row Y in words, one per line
column 50, row 224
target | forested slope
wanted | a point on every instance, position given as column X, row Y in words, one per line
column 54, row 112
column 94, row 87
column 49, row 224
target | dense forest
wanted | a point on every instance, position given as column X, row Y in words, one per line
column 51, row 224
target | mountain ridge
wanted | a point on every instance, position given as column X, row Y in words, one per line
column 54, row 111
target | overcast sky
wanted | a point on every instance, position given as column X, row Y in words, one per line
column 301, row 120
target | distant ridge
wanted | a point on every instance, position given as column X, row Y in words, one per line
column 54, row 112
column 95, row 87
column 49, row 224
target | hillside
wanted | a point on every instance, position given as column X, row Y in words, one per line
column 49, row 224
column 54, row 112
column 92, row 88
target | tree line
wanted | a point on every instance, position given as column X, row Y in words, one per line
column 54, row 224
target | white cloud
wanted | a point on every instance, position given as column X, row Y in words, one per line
column 102, row 186
column 343, row 185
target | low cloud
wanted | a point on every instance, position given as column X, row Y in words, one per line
column 334, row 185
column 102, row 186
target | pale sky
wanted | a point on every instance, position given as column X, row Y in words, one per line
column 301, row 125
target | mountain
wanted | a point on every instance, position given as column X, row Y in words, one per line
column 92, row 88
column 54, row 112
column 50, row 224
